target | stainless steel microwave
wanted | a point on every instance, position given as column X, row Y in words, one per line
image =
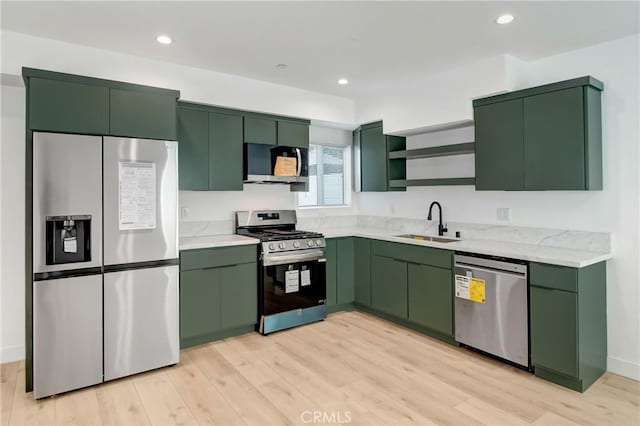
column 260, row 163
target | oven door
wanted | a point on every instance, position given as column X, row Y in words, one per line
column 291, row 282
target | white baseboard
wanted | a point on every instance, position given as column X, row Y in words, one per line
column 11, row 353
column 623, row 367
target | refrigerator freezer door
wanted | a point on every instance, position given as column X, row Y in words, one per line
column 67, row 181
column 141, row 322
column 67, row 331
column 140, row 200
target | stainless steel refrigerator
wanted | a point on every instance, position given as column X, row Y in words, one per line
column 105, row 259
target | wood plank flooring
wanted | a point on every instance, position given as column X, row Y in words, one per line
column 352, row 368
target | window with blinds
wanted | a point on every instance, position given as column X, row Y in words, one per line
column 327, row 177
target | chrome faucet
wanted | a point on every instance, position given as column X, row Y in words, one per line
column 441, row 228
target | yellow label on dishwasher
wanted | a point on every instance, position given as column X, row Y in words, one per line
column 476, row 290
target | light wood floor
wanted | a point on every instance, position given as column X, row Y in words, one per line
column 353, row 368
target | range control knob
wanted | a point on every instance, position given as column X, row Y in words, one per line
column 282, row 245
column 318, row 243
column 296, row 244
column 271, row 246
column 310, row 243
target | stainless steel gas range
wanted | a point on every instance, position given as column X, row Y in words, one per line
column 292, row 276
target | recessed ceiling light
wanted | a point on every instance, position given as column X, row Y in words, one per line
column 281, row 66
column 343, row 81
column 505, row 19
column 164, row 39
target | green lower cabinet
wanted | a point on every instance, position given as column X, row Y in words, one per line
column 345, row 292
column 568, row 323
column 389, row 286
column 218, row 298
column 554, row 316
column 238, row 295
column 330, row 253
column 431, row 297
column 362, row 271
column 199, row 304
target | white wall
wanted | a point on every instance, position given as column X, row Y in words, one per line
column 615, row 209
column 435, row 99
column 195, row 84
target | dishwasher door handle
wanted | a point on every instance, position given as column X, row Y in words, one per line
column 490, row 270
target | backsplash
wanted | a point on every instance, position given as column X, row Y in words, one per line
column 579, row 240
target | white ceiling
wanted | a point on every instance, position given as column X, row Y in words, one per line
column 373, row 44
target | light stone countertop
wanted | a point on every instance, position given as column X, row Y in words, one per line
column 211, row 241
column 531, row 252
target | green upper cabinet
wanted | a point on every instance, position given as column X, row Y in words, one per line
column 59, row 102
column 260, row 130
column 293, row 134
column 568, row 323
column 142, row 113
column 500, row 148
column 373, row 160
column 225, row 152
column 193, row 137
column 372, row 168
column 63, row 106
column 542, row 138
column 554, row 140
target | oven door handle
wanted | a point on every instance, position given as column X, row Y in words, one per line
column 317, row 255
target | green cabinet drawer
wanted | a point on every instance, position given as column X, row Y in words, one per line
column 345, row 270
column 330, row 253
column 553, row 276
column 142, row 114
column 225, row 152
column 239, row 295
column 389, row 286
column 293, row 134
column 260, row 130
column 61, row 106
column 413, row 253
column 362, row 270
column 199, row 303
column 554, row 332
column 218, row 256
column 554, row 141
column 431, row 297
column 373, row 160
column 193, row 147
column 500, row 146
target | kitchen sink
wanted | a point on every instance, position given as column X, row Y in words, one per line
column 428, row 238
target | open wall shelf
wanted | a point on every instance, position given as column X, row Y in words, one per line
column 435, row 151
column 432, row 182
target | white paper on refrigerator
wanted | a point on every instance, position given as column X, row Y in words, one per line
column 137, row 195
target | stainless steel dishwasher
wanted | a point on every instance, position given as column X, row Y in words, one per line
column 491, row 306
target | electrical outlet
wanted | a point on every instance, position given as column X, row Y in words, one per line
column 503, row 214
column 184, row 212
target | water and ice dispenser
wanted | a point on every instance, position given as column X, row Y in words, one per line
column 68, row 239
